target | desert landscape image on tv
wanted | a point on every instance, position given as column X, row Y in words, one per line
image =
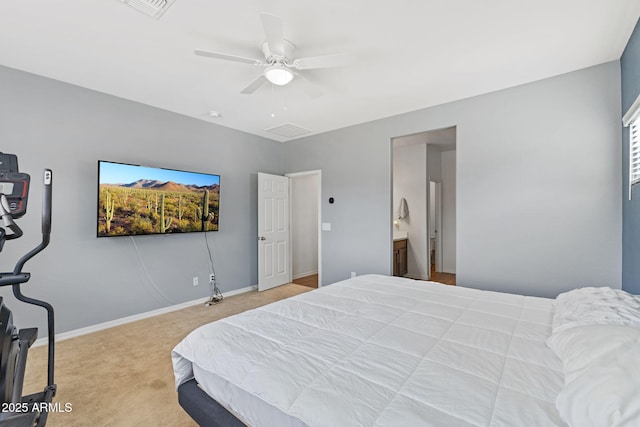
column 137, row 200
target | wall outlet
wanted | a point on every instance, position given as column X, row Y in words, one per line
column 195, row 281
column 353, row 274
column 212, row 277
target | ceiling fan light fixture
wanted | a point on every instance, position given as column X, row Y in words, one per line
column 278, row 74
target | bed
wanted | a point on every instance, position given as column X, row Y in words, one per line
column 387, row 351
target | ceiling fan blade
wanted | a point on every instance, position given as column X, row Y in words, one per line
column 324, row 61
column 254, row 85
column 228, row 57
column 274, row 31
column 311, row 89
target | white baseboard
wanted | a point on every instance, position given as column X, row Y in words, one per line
column 123, row 321
column 299, row 275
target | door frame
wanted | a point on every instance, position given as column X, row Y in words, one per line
column 438, row 221
column 393, row 140
column 317, row 172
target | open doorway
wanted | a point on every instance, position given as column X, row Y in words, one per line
column 305, row 228
column 435, row 224
column 423, row 209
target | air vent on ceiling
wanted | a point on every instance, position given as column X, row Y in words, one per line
column 288, row 130
column 152, row 8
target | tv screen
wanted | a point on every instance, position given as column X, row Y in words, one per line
column 136, row 200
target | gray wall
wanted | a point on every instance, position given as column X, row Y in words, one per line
column 630, row 70
column 538, row 185
column 356, row 172
column 89, row 280
column 538, row 200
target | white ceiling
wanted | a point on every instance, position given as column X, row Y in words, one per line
column 408, row 54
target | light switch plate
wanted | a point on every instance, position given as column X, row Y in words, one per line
column 326, row 226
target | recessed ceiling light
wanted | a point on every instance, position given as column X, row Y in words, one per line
column 214, row 114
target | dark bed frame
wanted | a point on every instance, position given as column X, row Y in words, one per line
column 203, row 409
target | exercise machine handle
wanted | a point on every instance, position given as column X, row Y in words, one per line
column 46, row 204
column 46, row 222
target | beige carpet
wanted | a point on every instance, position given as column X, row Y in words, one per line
column 123, row 376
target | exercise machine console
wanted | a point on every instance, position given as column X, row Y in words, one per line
column 18, row 410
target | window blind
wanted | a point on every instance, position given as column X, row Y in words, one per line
column 634, row 152
column 632, row 120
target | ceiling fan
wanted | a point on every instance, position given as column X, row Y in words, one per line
column 280, row 67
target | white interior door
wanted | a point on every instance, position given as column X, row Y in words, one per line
column 273, row 231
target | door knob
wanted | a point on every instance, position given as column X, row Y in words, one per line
column 262, row 238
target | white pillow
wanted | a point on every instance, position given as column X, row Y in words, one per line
column 596, row 335
column 588, row 306
column 602, row 388
column 582, row 346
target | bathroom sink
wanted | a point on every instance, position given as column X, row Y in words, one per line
column 400, row 235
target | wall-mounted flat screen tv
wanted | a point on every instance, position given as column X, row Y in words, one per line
column 136, row 200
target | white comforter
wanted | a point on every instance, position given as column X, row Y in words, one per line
column 383, row 351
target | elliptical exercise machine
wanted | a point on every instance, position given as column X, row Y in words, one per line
column 18, row 410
